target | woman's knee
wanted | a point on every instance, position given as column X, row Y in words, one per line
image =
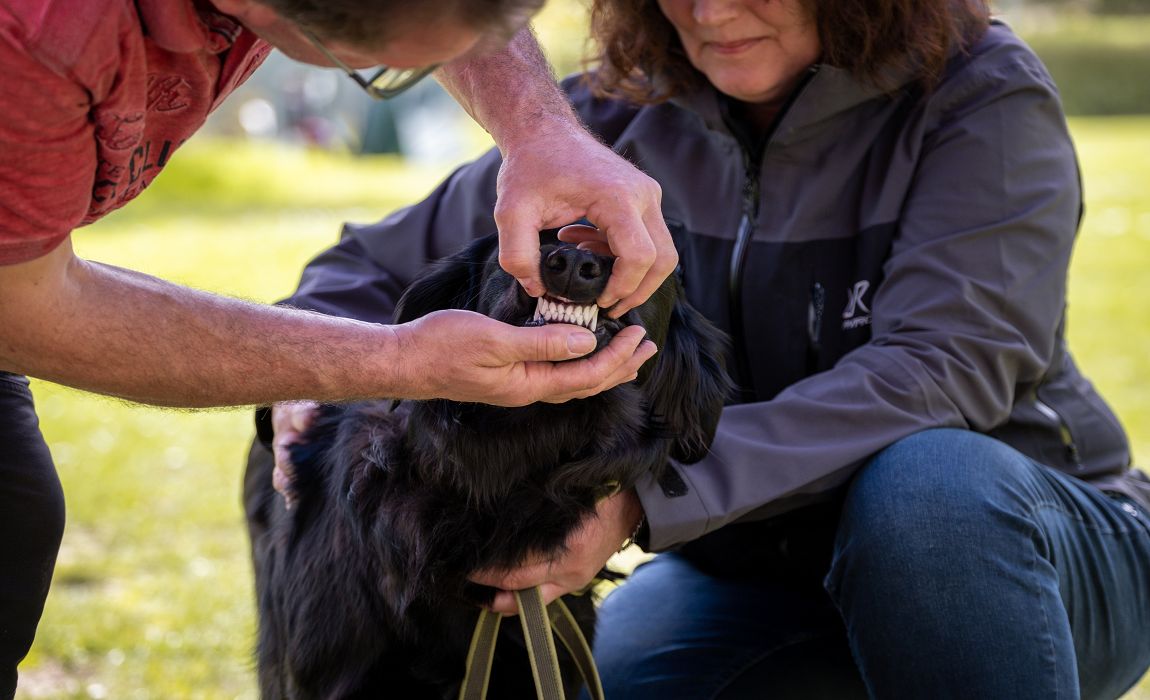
column 927, row 497
column 935, row 475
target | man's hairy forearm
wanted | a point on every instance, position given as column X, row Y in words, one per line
column 126, row 334
column 511, row 93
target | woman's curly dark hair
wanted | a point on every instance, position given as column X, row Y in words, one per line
column 641, row 59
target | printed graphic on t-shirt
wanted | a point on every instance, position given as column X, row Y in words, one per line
column 128, row 161
column 167, row 93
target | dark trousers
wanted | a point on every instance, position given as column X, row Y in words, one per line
column 31, row 525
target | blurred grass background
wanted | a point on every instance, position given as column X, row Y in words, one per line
column 152, row 594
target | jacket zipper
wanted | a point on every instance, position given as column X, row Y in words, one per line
column 815, row 326
column 752, row 163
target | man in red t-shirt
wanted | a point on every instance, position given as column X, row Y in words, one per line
column 96, row 97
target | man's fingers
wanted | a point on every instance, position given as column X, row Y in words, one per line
column 553, row 342
column 662, row 268
column 636, row 254
column 578, row 233
column 615, row 364
column 519, row 245
column 665, row 260
column 586, row 238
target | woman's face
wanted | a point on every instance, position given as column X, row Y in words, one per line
column 752, row 50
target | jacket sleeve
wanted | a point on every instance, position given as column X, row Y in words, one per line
column 968, row 310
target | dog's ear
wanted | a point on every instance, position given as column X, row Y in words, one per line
column 451, row 283
column 689, row 383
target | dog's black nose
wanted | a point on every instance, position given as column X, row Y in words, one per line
column 574, row 274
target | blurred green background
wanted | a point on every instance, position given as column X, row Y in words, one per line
column 152, row 595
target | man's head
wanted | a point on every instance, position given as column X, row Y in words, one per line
column 381, row 32
column 362, row 23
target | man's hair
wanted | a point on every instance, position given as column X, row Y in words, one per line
column 640, row 57
column 369, row 22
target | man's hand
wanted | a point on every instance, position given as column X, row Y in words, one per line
column 587, row 550
column 555, row 173
column 289, row 422
column 552, row 179
column 465, row 356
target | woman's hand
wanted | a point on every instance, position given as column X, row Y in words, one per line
column 289, row 422
column 587, row 551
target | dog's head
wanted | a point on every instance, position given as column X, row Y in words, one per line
column 443, row 489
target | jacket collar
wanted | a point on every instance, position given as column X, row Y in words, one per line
column 826, row 92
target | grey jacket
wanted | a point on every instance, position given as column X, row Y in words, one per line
column 885, row 263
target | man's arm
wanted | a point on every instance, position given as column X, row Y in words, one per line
column 126, row 334
column 554, row 172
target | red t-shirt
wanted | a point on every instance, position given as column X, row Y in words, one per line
column 95, row 95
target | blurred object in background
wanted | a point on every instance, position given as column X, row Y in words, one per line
column 314, row 107
column 304, row 105
column 1098, row 51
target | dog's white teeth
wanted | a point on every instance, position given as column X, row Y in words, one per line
column 550, row 310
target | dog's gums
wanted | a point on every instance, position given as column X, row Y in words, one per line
column 552, row 310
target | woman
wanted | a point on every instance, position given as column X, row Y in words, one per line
column 916, row 493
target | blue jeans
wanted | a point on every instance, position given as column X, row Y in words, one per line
column 959, row 568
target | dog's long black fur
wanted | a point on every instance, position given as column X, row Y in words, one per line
column 362, row 588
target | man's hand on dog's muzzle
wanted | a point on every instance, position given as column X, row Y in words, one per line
column 465, row 356
column 537, row 193
column 586, row 552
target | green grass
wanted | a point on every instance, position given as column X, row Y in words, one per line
column 152, row 595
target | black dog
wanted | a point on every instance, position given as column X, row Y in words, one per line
column 362, row 588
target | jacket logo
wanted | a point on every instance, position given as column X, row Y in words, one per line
column 856, row 306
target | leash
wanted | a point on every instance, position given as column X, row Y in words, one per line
column 540, row 627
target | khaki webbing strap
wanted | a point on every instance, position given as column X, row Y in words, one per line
column 479, row 656
column 567, row 629
column 540, row 644
column 538, row 626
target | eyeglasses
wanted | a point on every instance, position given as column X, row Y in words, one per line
column 385, row 83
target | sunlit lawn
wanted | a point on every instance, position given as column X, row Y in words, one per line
column 152, row 595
